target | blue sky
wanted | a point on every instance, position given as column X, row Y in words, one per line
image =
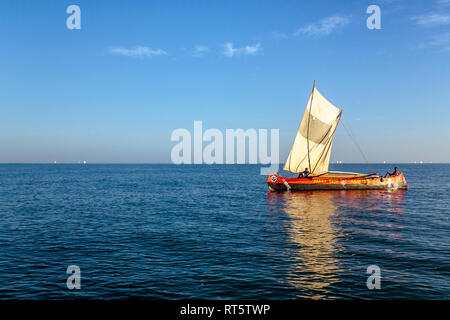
column 116, row 89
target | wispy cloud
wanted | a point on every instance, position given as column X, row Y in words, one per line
column 444, row 2
column 200, row 51
column 440, row 41
column 279, row 35
column 138, row 51
column 231, row 51
column 324, row 27
column 432, row 19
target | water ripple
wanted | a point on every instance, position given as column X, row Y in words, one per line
column 175, row 232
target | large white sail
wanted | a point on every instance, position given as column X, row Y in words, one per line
column 312, row 145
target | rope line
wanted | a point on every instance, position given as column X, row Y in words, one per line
column 356, row 144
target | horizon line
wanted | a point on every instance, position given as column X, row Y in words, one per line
column 196, row 164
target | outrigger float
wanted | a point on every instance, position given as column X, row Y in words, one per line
column 312, row 150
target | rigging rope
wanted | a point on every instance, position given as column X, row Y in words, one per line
column 356, row 143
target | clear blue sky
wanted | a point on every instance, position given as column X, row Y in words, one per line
column 116, row 89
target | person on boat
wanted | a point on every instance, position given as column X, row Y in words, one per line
column 395, row 173
column 304, row 174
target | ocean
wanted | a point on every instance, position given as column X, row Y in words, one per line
column 215, row 232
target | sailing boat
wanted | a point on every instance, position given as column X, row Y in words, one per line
column 312, row 149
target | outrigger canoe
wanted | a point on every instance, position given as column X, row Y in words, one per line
column 336, row 182
column 312, row 149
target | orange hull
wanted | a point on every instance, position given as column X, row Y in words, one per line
column 279, row 183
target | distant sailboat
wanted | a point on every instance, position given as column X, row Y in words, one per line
column 312, row 149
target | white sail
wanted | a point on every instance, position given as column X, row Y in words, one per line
column 312, row 145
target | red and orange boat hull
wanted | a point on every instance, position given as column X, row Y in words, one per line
column 279, row 183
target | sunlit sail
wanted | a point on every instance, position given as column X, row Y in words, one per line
column 312, row 145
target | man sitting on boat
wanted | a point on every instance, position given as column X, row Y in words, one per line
column 395, row 173
column 304, row 174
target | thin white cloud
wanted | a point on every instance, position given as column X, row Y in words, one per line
column 231, row 51
column 444, row 2
column 440, row 41
column 138, row 51
column 324, row 27
column 200, row 51
column 279, row 35
column 432, row 19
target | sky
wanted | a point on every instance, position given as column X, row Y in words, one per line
column 114, row 90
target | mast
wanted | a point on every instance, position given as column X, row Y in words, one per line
column 309, row 119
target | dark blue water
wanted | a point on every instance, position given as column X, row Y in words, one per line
column 165, row 231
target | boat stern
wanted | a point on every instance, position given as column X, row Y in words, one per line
column 399, row 182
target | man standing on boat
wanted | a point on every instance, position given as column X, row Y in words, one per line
column 304, row 174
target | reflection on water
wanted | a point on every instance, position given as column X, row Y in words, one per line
column 314, row 230
column 377, row 213
column 390, row 200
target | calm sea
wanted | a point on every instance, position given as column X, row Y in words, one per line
column 215, row 232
